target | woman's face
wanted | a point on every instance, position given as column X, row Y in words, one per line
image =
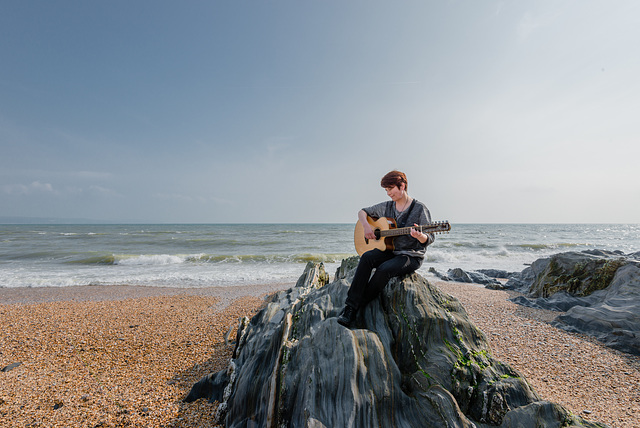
column 395, row 193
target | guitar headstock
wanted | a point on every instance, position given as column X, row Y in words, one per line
column 437, row 227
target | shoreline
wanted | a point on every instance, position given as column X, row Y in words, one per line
column 116, row 355
column 97, row 293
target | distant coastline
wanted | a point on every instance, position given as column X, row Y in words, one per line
column 62, row 221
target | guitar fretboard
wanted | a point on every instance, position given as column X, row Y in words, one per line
column 436, row 227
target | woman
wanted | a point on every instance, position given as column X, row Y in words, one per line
column 407, row 254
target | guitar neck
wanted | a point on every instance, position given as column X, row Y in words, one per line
column 425, row 228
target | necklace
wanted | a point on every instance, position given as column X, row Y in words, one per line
column 406, row 202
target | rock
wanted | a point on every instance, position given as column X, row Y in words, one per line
column 496, row 273
column 10, row 367
column 599, row 291
column 348, row 267
column 529, row 415
column 579, row 274
column 413, row 359
column 614, row 318
column 561, row 302
column 441, row 276
column 460, row 275
column 495, row 286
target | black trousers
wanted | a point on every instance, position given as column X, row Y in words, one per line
column 365, row 287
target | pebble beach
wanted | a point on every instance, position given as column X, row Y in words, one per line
column 116, row 356
column 591, row 380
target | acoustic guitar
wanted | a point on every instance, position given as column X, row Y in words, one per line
column 385, row 230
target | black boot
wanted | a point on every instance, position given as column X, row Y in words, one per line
column 347, row 316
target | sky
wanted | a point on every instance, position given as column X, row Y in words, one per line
column 292, row 111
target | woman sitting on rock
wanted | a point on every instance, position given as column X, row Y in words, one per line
column 407, row 253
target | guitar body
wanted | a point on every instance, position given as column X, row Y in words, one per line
column 382, row 243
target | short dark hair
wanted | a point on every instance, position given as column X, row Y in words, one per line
column 394, row 178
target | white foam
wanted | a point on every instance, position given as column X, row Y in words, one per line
column 148, row 260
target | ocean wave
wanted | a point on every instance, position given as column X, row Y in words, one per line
column 130, row 260
column 467, row 245
column 169, row 259
column 269, row 258
column 103, row 259
column 552, row 246
column 149, row 260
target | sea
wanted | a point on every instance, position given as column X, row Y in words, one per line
column 227, row 255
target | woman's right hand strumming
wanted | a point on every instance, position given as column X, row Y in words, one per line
column 366, row 227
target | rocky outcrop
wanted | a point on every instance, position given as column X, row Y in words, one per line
column 578, row 274
column 460, row 275
column 413, row 359
column 496, row 273
column 598, row 290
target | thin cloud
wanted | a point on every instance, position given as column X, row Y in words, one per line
column 190, row 198
column 27, row 189
column 530, row 24
column 104, row 191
